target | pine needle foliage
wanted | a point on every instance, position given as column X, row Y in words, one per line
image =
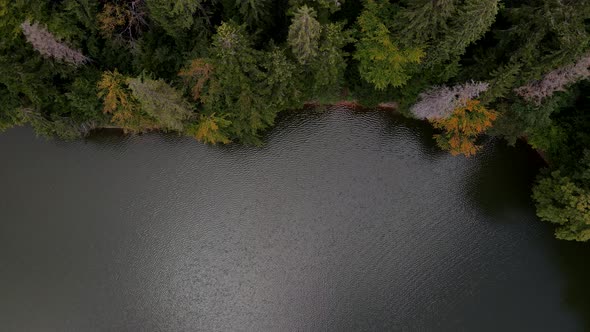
column 304, row 34
column 161, row 102
column 121, row 105
column 382, row 61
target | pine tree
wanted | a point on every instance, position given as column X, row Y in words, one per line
column 382, row 61
column 245, row 86
column 209, row 129
column 467, row 25
column 161, row 102
column 120, row 104
column 304, row 34
column 175, row 16
column 253, row 12
column 196, row 75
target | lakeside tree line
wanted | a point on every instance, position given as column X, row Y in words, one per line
column 221, row 70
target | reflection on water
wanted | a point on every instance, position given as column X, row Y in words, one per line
column 342, row 221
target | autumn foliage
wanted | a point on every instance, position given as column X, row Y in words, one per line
column 209, row 129
column 196, row 75
column 461, row 129
column 123, row 107
column 125, row 18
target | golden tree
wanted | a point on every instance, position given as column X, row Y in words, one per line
column 196, row 74
column 461, row 129
column 119, row 102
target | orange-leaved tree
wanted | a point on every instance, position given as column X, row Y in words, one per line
column 462, row 127
column 123, row 107
column 197, row 73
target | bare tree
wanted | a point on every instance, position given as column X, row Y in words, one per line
column 556, row 80
column 47, row 44
column 440, row 102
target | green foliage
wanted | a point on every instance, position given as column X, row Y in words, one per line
column 566, row 203
column 328, row 67
column 210, row 129
column 174, row 16
column 120, row 104
column 331, row 5
column 304, row 34
column 521, row 119
column 472, row 20
column 382, row 61
column 253, row 11
column 548, row 139
column 247, row 87
column 9, row 114
column 161, row 102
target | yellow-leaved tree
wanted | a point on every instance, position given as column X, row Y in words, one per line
column 121, row 104
column 209, row 129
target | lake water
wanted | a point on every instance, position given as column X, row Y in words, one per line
column 342, row 221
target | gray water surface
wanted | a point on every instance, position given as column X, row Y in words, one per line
column 343, row 221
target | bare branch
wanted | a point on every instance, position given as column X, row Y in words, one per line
column 45, row 43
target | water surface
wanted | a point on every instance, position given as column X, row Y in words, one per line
column 342, row 221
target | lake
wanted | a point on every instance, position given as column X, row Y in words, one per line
column 342, row 221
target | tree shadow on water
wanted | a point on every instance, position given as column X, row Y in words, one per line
column 503, row 177
column 420, row 131
column 574, row 262
column 503, row 182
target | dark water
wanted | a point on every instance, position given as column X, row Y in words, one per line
column 341, row 222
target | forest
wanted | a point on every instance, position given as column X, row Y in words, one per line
column 221, row 70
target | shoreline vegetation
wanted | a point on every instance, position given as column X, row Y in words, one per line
column 221, row 71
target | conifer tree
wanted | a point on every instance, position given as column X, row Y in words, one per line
column 161, row 102
column 246, row 87
column 304, row 34
column 175, row 16
column 467, row 25
column 383, row 61
column 120, row 104
column 209, row 129
column 253, row 11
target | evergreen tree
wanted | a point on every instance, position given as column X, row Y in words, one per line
column 246, row 87
column 161, row 102
column 382, row 60
column 120, row 104
column 176, row 16
column 304, row 34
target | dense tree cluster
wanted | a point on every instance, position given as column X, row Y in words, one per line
column 221, row 71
